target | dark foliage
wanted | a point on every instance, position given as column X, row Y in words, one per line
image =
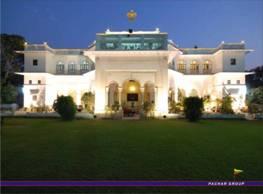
column 193, row 107
column 11, row 62
column 226, row 106
column 256, row 79
column 255, row 100
column 8, row 94
column 65, row 107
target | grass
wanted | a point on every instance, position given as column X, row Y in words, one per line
column 144, row 150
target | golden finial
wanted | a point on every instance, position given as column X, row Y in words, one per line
column 131, row 15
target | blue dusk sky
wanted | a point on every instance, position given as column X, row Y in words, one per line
column 74, row 23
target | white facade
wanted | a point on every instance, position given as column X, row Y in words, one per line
column 115, row 67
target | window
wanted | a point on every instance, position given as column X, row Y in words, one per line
column 71, row 68
column 181, row 66
column 233, row 61
column 228, row 81
column 34, row 97
column 194, row 67
column 60, row 68
column 39, row 81
column 84, row 67
column 30, row 81
column 238, row 81
column 34, row 91
column 35, row 62
column 207, row 67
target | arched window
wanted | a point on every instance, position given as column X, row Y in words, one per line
column 84, row 67
column 71, row 68
column 181, row 66
column 194, row 67
column 207, row 67
column 60, row 68
column 113, row 94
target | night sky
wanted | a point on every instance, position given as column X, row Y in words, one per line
column 74, row 23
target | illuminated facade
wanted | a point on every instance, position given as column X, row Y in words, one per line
column 130, row 68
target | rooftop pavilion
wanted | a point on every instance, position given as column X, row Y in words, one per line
column 131, row 40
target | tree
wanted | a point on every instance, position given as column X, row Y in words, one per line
column 255, row 100
column 226, row 106
column 88, row 99
column 255, row 96
column 10, row 60
column 256, row 79
column 193, row 108
column 8, row 94
column 65, row 107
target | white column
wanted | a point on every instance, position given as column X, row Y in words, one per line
column 100, row 100
column 27, row 96
column 119, row 95
column 162, row 101
column 142, row 92
column 107, row 96
column 100, row 83
column 78, row 97
column 155, row 97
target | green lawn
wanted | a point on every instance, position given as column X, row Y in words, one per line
column 143, row 149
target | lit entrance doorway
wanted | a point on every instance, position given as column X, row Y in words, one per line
column 131, row 98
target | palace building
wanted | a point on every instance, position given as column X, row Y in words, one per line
column 133, row 67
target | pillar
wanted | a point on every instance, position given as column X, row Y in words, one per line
column 142, row 92
column 155, row 96
column 78, row 97
column 119, row 95
column 107, row 96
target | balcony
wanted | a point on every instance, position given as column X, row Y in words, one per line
column 207, row 71
column 72, row 72
column 181, row 67
column 82, row 71
column 181, row 70
column 194, row 71
column 60, row 71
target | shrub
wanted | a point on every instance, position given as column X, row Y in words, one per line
column 175, row 107
column 193, row 107
column 88, row 99
column 65, row 107
column 148, row 108
column 255, row 100
column 116, row 106
column 8, row 94
column 226, row 106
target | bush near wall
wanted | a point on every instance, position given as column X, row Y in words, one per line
column 88, row 99
column 65, row 107
column 8, row 94
column 255, row 100
column 226, row 106
column 193, row 108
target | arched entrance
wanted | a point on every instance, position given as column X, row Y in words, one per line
column 131, row 97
